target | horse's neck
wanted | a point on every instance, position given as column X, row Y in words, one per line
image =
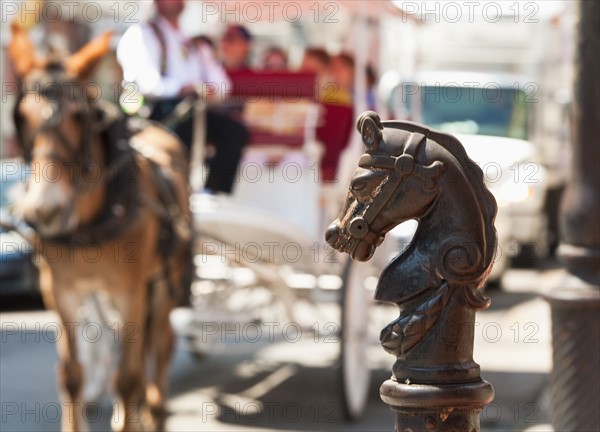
column 415, row 280
column 453, row 219
column 441, row 328
column 454, row 213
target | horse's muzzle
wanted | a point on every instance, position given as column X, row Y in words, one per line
column 50, row 220
column 358, row 248
column 333, row 235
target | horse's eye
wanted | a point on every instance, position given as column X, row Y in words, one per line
column 358, row 186
column 51, row 93
column 76, row 111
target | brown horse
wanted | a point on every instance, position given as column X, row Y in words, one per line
column 110, row 209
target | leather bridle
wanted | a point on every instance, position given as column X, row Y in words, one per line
column 52, row 88
column 119, row 170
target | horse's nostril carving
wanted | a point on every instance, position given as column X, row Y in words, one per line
column 332, row 234
column 358, row 228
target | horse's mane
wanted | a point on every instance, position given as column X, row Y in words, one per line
column 473, row 174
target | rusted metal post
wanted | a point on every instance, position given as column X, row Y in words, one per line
column 411, row 172
column 575, row 377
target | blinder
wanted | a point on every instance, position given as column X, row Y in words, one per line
column 18, row 121
column 53, row 87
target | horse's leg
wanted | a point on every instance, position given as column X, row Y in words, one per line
column 70, row 372
column 130, row 380
column 160, row 335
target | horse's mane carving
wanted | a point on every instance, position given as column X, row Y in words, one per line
column 475, row 179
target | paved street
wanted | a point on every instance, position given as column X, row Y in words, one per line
column 292, row 383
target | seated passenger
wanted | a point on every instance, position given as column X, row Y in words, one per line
column 274, row 59
column 235, row 47
column 371, row 88
column 337, row 119
column 342, row 72
column 317, row 60
column 166, row 67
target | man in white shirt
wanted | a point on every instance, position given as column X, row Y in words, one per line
column 166, row 67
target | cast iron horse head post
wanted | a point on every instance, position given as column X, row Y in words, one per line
column 411, row 172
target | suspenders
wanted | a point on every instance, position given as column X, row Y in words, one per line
column 160, row 36
column 163, row 46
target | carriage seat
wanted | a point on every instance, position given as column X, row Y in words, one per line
column 284, row 109
column 284, row 164
column 279, row 108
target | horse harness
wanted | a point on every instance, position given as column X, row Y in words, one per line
column 50, row 88
column 121, row 171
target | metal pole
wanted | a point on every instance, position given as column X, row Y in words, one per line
column 437, row 386
column 575, row 377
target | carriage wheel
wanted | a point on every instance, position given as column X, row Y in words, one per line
column 354, row 367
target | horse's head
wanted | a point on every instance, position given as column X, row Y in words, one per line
column 54, row 118
column 388, row 188
column 411, row 172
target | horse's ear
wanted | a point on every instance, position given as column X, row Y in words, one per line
column 82, row 63
column 370, row 127
column 21, row 50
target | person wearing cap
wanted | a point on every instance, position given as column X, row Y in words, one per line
column 342, row 71
column 274, row 59
column 165, row 67
column 317, row 60
column 235, row 48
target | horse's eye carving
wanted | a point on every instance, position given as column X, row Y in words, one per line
column 359, row 186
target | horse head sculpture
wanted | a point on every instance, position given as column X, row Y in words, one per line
column 411, row 172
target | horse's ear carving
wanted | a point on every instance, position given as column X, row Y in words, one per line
column 21, row 50
column 370, row 127
column 82, row 63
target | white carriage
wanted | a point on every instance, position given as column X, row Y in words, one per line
column 262, row 250
column 260, row 253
